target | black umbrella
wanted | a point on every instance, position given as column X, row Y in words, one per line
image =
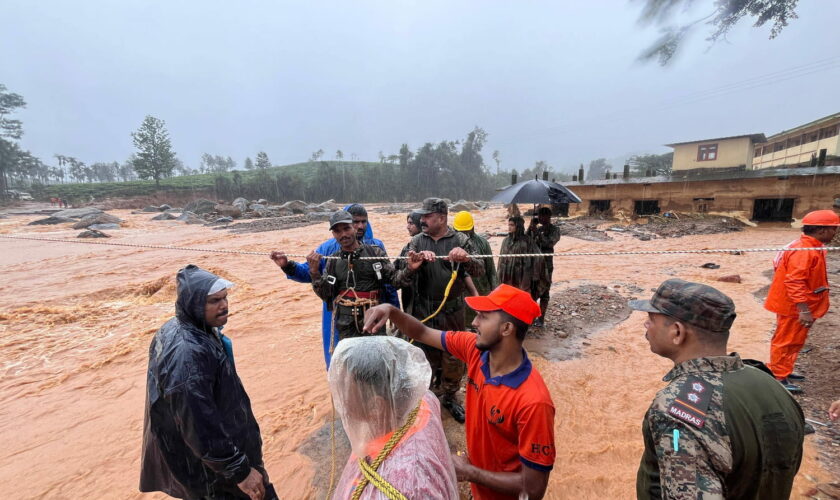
column 538, row 192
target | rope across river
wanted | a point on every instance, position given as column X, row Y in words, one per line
column 521, row 255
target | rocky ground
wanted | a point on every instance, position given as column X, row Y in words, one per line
column 680, row 225
column 574, row 313
column 584, row 228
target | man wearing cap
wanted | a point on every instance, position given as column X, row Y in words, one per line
column 483, row 285
column 799, row 293
column 722, row 427
column 351, row 284
column 300, row 271
column 432, row 279
column 200, row 437
column 510, row 414
column 545, row 235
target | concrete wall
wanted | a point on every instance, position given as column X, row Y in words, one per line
column 730, row 153
column 734, row 195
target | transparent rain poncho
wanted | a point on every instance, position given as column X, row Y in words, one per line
column 376, row 382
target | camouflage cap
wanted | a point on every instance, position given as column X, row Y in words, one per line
column 340, row 217
column 692, row 303
column 433, row 206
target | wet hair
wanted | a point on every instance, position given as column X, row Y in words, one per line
column 519, row 225
column 356, row 209
column 414, row 218
column 372, row 372
column 520, row 326
column 811, row 230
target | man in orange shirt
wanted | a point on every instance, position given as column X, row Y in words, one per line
column 799, row 294
column 509, row 412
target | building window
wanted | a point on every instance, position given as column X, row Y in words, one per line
column 767, row 150
column 773, row 210
column 829, row 131
column 810, row 137
column 701, row 205
column 707, row 152
column 598, row 207
column 779, row 146
column 794, row 141
column 757, row 152
column 646, row 207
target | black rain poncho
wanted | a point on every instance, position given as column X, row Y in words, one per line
column 200, row 438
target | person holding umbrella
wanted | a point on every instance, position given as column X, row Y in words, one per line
column 545, row 235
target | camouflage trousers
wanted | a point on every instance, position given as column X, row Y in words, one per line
column 447, row 370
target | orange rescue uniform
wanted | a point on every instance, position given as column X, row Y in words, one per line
column 510, row 418
column 800, row 277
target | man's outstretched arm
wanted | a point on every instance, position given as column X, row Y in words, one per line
column 375, row 319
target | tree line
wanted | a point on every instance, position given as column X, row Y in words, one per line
column 454, row 169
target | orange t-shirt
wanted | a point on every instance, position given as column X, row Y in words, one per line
column 509, row 418
column 798, row 275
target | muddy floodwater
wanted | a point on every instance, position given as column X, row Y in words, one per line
column 76, row 321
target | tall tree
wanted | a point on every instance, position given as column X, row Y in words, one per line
column 249, row 164
column 154, row 158
column 498, row 159
column 655, row 164
column 9, row 129
column 262, row 161
column 726, row 14
column 597, row 169
column 9, row 102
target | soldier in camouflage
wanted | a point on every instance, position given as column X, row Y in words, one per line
column 723, row 427
column 430, row 282
column 545, row 235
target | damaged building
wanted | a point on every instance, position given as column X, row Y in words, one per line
column 777, row 178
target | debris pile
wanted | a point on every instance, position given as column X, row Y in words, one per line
column 574, row 314
column 677, row 225
column 583, row 228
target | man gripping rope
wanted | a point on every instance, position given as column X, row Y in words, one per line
column 300, row 271
column 351, row 285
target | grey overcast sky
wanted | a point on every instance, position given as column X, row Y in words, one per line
column 548, row 80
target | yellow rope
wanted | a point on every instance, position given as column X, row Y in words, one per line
column 445, row 296
column 383, row 485
column 442, row 302
column 380, row 483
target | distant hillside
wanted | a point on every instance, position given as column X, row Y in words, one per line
column 305, row 172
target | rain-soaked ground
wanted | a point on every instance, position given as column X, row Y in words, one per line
column 76, row 321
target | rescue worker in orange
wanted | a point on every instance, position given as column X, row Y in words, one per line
column 799, row 294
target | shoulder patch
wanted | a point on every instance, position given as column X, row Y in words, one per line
column 692, row 402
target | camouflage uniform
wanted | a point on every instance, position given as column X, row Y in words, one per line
column 738, row 434
column 430, row 281
column 721, row 428
column 525, row 273
column 546, row 237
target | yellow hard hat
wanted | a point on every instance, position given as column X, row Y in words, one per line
column 463, row 221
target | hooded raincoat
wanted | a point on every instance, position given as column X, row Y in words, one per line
column 200, row 437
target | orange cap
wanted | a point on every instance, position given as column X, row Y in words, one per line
column 821, row 218
column 509, row 299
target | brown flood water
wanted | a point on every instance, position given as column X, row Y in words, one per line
column 76, row 321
